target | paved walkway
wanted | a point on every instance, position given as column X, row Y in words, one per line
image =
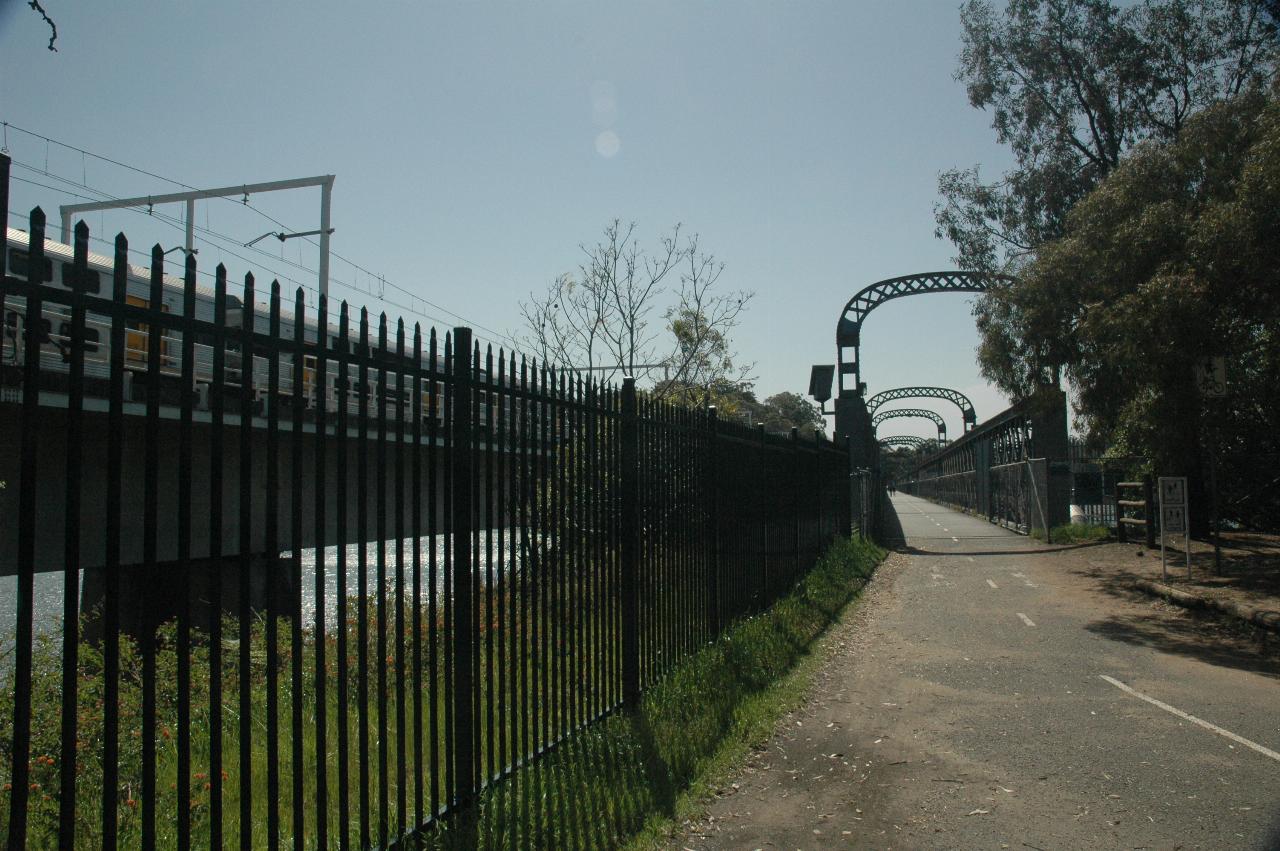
column 987, row 693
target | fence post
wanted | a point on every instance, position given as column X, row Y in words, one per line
column 1122, row 535
column 817, row 479
column 629, row 539
column 796, row 473
column 4, row 208
column 713, row 488
column 855, row 495
column 764, row 519
column 462, row 433
column 1150, row 508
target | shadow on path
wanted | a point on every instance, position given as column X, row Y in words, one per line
column 1169, row 629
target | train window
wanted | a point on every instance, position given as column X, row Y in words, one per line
column 20, row 265
column 91, row 337
column 90, row 279
column 137, row 334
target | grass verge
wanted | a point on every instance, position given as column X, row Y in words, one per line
column 1073, row 533
column 625, row 780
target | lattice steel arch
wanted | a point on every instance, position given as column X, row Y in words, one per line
column 849, row 328
column 903, row 440
column 912, row 412
column 961, row 401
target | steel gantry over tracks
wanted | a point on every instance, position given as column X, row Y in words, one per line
column 960, row 400
column 913, row 412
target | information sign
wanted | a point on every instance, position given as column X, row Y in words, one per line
column 1211, row 376
column 1173, row 517
column 1173, row 490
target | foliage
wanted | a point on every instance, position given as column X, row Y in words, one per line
column 625, row 775
column 1071, row 86
column 601, row 316
column 1173, row 258
column 779, row 413
column 786, row 410
column 1073, row 533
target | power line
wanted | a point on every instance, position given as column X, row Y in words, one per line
column 381, row 297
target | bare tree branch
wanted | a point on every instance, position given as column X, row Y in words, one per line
column 53, row 35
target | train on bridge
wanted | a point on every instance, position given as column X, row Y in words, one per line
column 58, row 270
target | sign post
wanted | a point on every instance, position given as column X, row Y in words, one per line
column 1173, row 517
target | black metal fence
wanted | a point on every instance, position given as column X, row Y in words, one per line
column 290, row 578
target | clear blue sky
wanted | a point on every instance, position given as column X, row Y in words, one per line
column 802, row 141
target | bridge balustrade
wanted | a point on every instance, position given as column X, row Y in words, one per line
column 1012, row 469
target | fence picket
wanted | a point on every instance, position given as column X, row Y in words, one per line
column 580, row 541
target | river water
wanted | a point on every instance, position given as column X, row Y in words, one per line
column 48, row 598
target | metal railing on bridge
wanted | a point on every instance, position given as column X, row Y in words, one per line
column 1012, row 469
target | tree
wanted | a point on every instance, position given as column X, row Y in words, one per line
column 779, row 413
column 600, row 317
column 1072, row 85
column 1175, row 257
column 787, row 410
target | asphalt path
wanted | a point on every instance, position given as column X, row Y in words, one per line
column 987, row 694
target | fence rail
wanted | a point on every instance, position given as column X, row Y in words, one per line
column 335, row 604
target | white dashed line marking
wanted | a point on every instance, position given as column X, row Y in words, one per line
column 938, row 576
column 971, row 558
column 992, row 584
column 1028, row 621
column 1193, row 719
column 954, row 538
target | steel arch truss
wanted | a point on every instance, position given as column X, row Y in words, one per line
column 955, row 396
column 908, row 440
column 849, row 328
column 912, row 412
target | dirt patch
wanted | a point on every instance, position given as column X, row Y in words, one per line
column 806, row 762
column 1249, row 575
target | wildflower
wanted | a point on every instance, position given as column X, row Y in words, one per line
column 35, row 787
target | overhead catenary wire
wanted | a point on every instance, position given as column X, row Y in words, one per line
column 499, row 338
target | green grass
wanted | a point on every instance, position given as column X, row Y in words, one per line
column 619, row 778
column 626, row 780
column 1073, row 533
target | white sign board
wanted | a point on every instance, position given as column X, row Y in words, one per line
column 1211, row 376
column 1173, row 490
column 1173, row 516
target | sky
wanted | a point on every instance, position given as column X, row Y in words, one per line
column 477, row 146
